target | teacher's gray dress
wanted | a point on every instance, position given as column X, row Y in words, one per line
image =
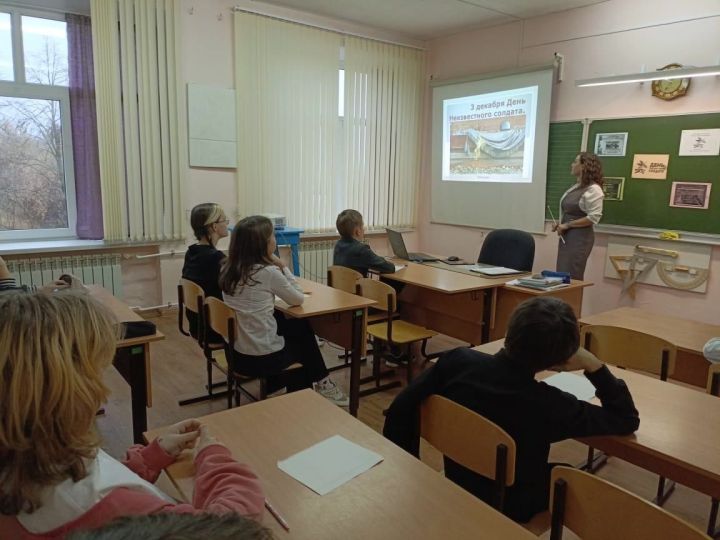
column 573, row 254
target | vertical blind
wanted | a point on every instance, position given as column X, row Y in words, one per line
column 140, row 114
column 297, row 155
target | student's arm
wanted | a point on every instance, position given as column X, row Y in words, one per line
column 147, row 461
column 569, row 417
column 375, row 261
column 402, row 420
column 283, row 284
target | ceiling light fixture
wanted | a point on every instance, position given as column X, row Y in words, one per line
column 679, row 73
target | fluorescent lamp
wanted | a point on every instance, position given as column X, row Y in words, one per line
column 679, row 73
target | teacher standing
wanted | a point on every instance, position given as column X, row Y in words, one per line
column 581, row 208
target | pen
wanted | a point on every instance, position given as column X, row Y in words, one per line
column 555, row 223
column 276, row 515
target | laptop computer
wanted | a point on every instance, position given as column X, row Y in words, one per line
column 398, row 246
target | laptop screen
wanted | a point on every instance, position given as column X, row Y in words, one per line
column 397, row 244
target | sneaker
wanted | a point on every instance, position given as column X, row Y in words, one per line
column 330, row 390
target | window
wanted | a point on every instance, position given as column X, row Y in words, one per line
column 37, row 195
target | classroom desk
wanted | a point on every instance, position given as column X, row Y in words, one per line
column 132, row 360
column 399, row 498
column 472, row 308
column 689, row 336
column 677, row 437
column 338, row 317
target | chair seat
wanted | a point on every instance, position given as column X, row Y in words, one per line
column 403, row 332
column 216, row 346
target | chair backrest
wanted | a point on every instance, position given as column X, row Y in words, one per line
column 467, row 438
column 343, row 278
column 191, row 297
column 382, row 293
column 630, row 349
column 221, row 318
column 595, row 509
column 510, row 248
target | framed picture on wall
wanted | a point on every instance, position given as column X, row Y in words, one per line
column 613, row 188
column 610, row 144
column 690, row 195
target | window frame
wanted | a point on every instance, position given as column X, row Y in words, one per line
column 19, row 88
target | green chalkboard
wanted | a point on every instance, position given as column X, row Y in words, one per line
column 645, row 202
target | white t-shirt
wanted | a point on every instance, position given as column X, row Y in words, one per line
column 591, row 202
column 254, row 305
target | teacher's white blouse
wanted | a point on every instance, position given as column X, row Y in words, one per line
column 591, row 202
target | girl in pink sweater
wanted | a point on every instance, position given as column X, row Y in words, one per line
column 54, row 478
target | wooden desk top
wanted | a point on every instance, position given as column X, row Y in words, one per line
column 123, row 313
column 322, row 300
column 399, row 498
column 442, row 280
column 677, row 434
column 686, row 334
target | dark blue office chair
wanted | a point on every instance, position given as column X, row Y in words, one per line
column 510, row 248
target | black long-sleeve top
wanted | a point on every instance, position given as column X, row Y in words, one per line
column 533, row 413
column 360, row 257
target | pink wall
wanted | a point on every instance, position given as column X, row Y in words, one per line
column 614, row 37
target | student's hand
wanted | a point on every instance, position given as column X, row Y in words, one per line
column 205, row 440
column 180, row 436
column 57, row 285
column 582, row 359
column 277, row 261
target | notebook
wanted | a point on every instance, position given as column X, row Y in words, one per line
column 494, row 270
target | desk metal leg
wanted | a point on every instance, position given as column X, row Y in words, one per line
column 295, row 259
column 131, row 362
column 356, row 359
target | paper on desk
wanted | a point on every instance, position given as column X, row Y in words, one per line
column 399, row 267
column 513, row 282
column 329, row 464
column 576, row 385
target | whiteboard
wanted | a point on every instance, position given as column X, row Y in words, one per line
column 212, row 135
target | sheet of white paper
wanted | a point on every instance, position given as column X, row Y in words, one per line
column 494, row 270
column 513, row 282
column 577, row 385
column 329, row 464
column 399, row 267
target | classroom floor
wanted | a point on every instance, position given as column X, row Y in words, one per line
column 178, row 371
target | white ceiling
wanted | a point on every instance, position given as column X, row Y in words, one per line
column 428, row 19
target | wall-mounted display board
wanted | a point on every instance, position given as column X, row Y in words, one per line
column 645, row 202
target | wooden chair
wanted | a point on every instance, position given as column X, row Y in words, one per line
column 630, row 349
column 221, row 318
column 470, row 440
column 344, row 279
column 713, row 388
column 595, row 509
column 192, row 297
column 395, row 333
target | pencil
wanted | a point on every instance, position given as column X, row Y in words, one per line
column 276, row 515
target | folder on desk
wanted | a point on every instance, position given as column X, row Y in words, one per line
column 494, row 270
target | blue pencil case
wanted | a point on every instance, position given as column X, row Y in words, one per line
column 564, row 275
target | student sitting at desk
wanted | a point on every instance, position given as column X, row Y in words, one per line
column 351, row 252
column 268, row 342
column 203, row 260
column 542, row 334
column 54, row 477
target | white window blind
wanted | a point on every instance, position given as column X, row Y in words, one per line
column 296, row 155
column 140, row 113
column 383, row 99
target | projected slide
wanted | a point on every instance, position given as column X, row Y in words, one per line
column 490, row 137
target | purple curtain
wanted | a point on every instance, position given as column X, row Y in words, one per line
column 84, row 127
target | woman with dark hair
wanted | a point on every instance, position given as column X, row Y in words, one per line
column 581, row 208
column 267, row 342
column 203, row 260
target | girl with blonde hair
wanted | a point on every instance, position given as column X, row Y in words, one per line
column 54, row 478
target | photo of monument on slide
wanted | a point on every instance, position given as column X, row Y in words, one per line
column 488, row 146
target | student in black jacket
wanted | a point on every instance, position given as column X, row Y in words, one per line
column 203, row 260
column 542, row 334
column 351, row 252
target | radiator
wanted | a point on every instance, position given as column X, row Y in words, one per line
column 91, row 269
column 315, row 257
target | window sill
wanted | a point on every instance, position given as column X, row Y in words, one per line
column 67, row 244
